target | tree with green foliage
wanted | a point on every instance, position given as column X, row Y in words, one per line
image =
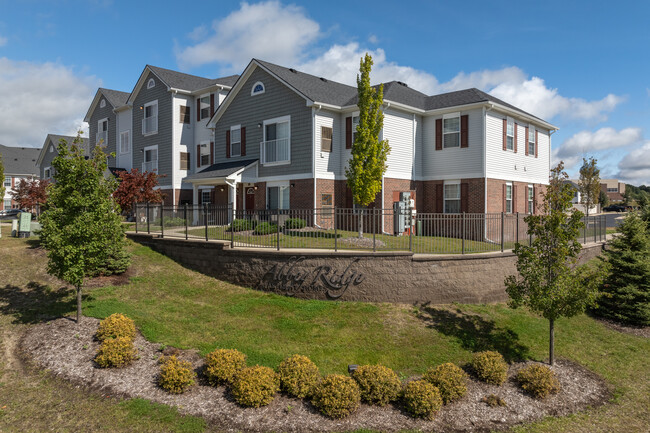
column 2, row 184
column 367, row 166
column 589, row 183
column 603, row 199
column 549, row 283
column 626, row 291
column 82, row 231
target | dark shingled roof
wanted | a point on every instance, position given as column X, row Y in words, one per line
column 115, row 97
column 179, row 80
column 223, row 169
column 68, row 138
column 20, row 160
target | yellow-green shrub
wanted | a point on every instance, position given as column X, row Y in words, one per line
column 255, row 386
column 336, row 396
column 298, row 376
column 115, row 352
column 175, row 376
column 450, row 380
column 538, row 380
column 378, row 384
column 221, row 365
column 116, row 325
column 490, row 367
column 421, row 399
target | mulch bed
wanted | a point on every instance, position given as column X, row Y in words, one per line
column 638, row 331
column 67, row 350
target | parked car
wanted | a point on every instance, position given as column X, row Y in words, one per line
column 614, row 208
column 9, row 214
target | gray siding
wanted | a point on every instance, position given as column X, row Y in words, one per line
column 164, row 136
column 47, row 159
column 104, row 113
column 248, row 111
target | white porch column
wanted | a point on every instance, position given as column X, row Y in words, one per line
column 232, row 198
column 195, row 203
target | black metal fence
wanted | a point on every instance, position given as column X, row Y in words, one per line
column 347, row 229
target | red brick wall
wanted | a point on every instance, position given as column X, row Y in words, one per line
column 260, row 196
column 301, row 195
column 495, row 196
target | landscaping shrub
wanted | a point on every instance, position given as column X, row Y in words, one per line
column 493, row 400
column 298, row 376
column 538, row 380
column 336, row 396
column 450, row 380
column 490, row 367
column 175, row 376
column 295, row 223
column 116, row 325
column 170, row 221
column 422, row 399
column 378, row 384
column 116, row 352
column 255, row 386
column 221, row 365
column 265, row 229
column 240, row 225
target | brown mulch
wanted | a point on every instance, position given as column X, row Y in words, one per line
column 638, row 331
column 67, row 350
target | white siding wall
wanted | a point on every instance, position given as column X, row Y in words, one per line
column 508, row 165
column 400, row 131
column 328, row 164
column 456, row 162
column 124, row 123
column 183, row 138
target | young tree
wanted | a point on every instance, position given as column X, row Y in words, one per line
column 2, row 179
column 550, row 284
column 602, row 198
column 589, row 183
column 136, row 187
column 31, row 193
column 368, row 163
column 82, row 231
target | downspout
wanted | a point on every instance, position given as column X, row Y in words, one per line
column 383, row 176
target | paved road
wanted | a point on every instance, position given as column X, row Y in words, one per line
column 614, row 218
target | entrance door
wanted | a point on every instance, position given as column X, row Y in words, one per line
column 250, row 198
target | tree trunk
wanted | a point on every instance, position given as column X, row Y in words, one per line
column 360, row 216
column 78, row 304
column 551, row 341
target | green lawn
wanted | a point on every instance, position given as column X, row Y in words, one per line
column 175, row 306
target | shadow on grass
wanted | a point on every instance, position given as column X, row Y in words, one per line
column 474, row 332
column 37, row 302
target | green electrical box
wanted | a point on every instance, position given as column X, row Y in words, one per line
column 24, row 224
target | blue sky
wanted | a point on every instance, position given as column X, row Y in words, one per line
column 581, row 65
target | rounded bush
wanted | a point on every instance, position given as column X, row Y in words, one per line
column 538, row 380
column 175, row 376
column 265, row 229
column 221, row 365
column 298, row 376
column 116, row 325
column 295, row 223
column 116, row 352
column 255, row 386
column 240, row 225
column 336, row 396
column 378, row 384
column 490, row 367
column 421, row 399
column 450, row 380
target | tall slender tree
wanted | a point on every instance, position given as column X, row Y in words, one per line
column 589, row 183
column 2, row 179
column 367, row 166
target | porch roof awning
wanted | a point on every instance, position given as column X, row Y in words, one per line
column 221, row 171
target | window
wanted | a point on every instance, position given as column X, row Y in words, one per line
column 47, row 173
column 205, row 196
column 125, row 142
column 355, row 123
column 612, row 189
column 150, row 159
column 325, row 139
column 185, row 160
column 510, row 134
column 150, row 120
column 276, row 148
column 51, row 148
column 184, row 114
column 258, row 88
column 7, row 204
column 278, row 197
column 102, row 103
column 451, row 130
column 205, row 154
column 205, row 106
column 151, row 83
column 327, row 206
column 531, row 140
column 235, row 140
column 452, row 198
column 531, row 200
column 508, row 198
column 101, row 137
column 7, row 182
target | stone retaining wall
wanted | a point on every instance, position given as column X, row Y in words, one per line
column 351, row 276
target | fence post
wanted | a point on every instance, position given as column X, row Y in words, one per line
column 503, row 229
column 517, row 228
column 232, row 229
column 278, row 227
column 135, row 212
column 595, row 232
column 185, row 218
column 148, row 226
column 584, row 230
column 162, row 221
column 205, row 220
column 336, row 234
column 462, row 250
column 374, row 229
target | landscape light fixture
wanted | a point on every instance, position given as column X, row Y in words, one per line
column 352, row 368
column 293, row 185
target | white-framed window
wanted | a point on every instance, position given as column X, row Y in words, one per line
column 184, row 114
column 451, row 130
column 7, row 204
column 508, row 198
column 102, row 103
column 47, row 172
column 51, row 148
column 101, row 137
column 206, row 196
column 150, row 118
column 257, row 89
column 277, row 196
column 510, row 134
column 325, row 138
column 151, row 83
column 355, row 123
column 205, row 106
column 125, row 142
column 150, row 162
column 276, row 147
column 531, row 140
column 205, row 154
column 531, row 199
column 452, row 197
column 7, row 182
column 235, row 140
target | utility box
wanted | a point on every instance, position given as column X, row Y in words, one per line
column 404, row 212
column 24, row 224
column 14, row 228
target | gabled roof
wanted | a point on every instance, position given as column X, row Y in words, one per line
column 19, row 160
column 55, row 140
column 116, row 98
column 221, row 170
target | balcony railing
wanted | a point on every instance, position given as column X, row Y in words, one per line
column 151, row 166
column 274, row 151
column 150, row 125
column 102, row 138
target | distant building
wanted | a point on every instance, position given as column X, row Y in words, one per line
column 19, row 163
column 614, row 190
column 577, row 198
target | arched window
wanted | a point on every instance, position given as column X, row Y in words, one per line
column 258, row 88
column 151, row 83
column 102, row 103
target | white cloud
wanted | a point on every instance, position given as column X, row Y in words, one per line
column 265, row 30
column 3, row 41
column 41, row 98
column 373, row 39
column 635, row 166
column 587, row 143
